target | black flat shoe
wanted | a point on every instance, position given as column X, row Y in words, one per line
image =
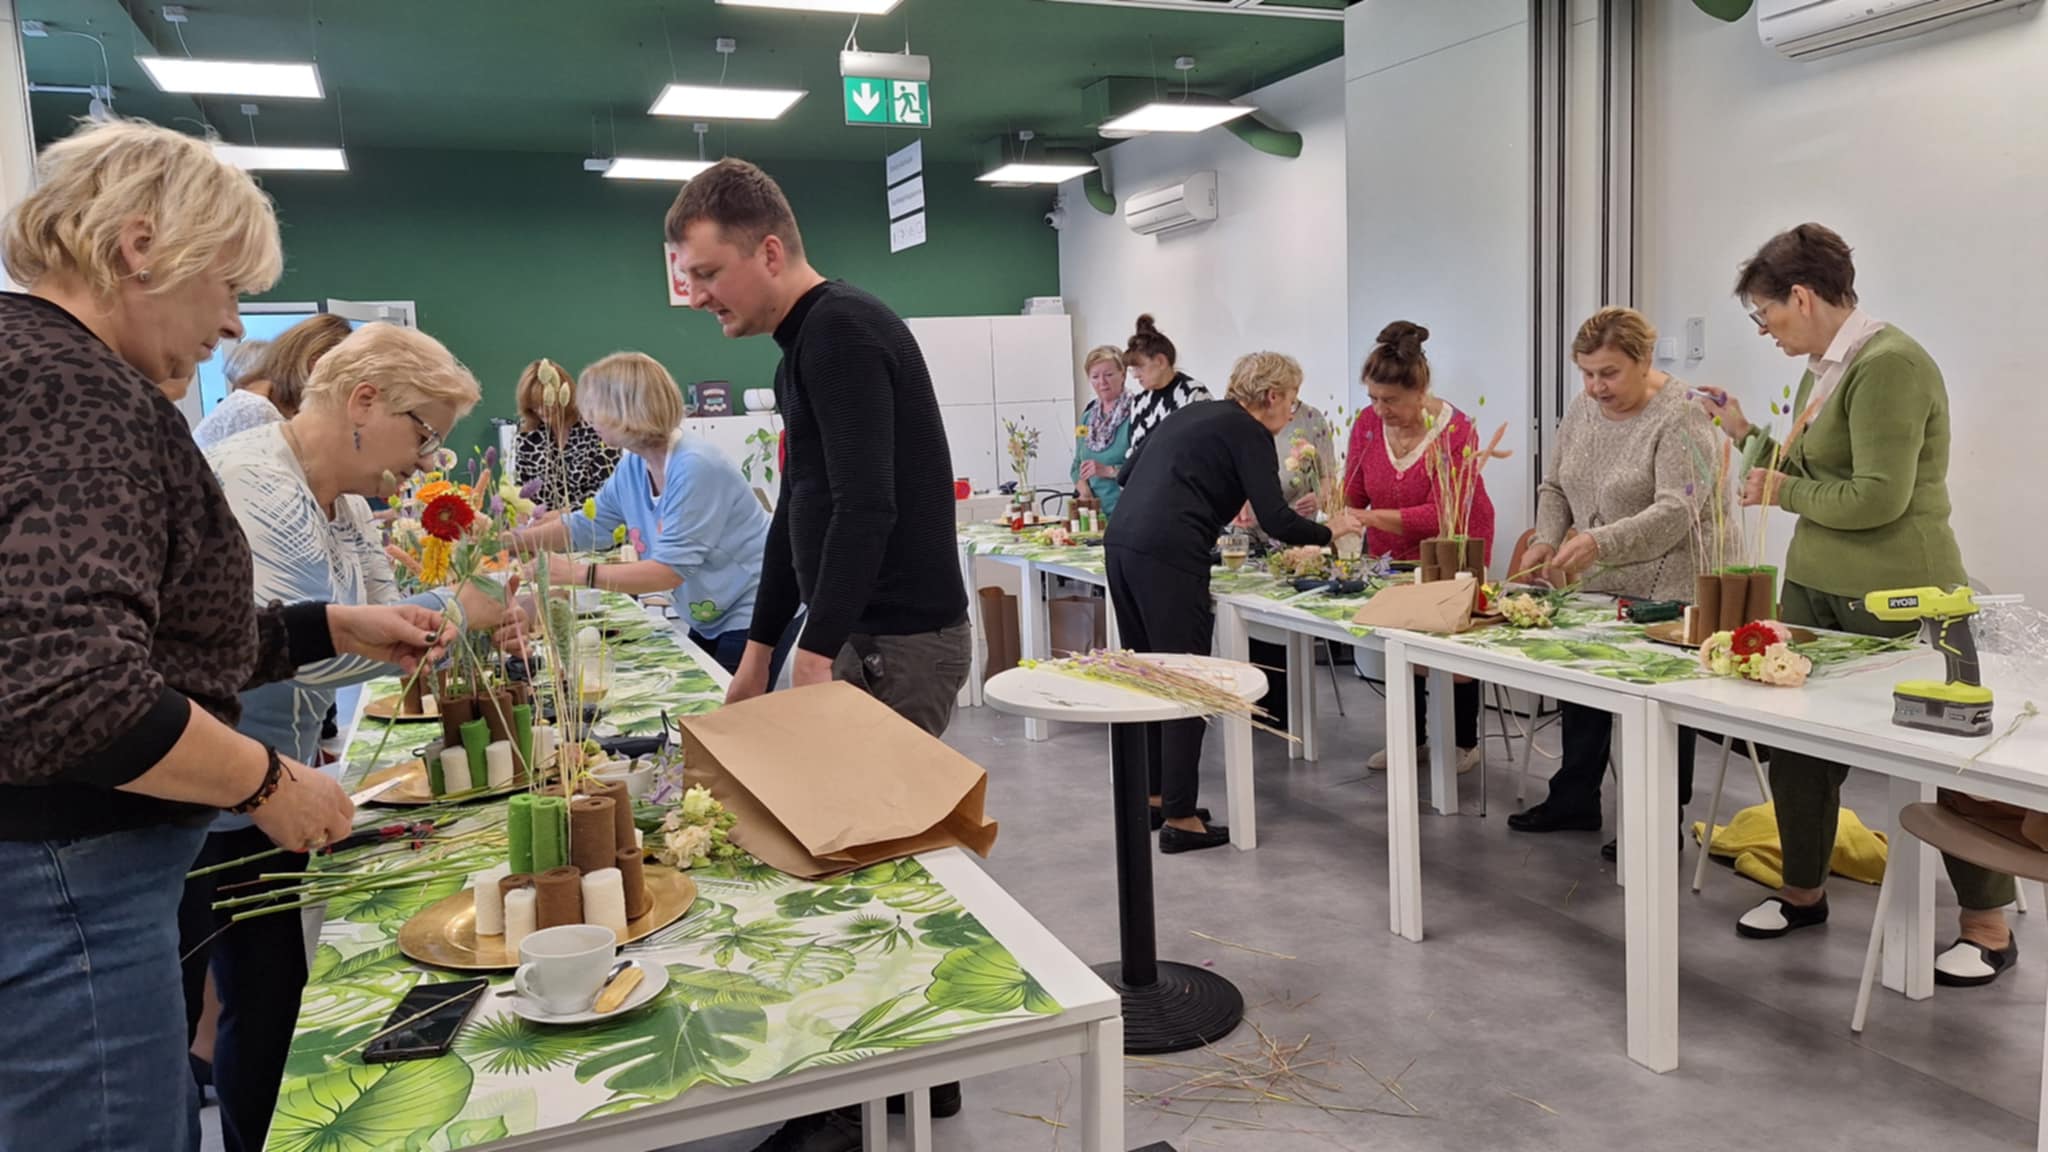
column 1159, row 816
column 945, row 1101
column 1544, row 818
column 823, row 1132
column 1172, row 840
column 1968, row 964
column 1774, row 918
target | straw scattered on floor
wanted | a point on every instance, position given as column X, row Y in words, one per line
column 1240, row 947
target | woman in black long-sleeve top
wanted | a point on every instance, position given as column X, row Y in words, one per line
column 1181, row 485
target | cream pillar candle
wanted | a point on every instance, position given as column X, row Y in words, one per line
column 455, row 770
column 604, row 900
column 498, row 756
column 520, row 918
column 544, row 737
column 490, row 903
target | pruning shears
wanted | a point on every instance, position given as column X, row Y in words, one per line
column 416, row 831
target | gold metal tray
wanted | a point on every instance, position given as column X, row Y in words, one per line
column 444, row 934
column 1672, row 632
column 414, row 792
column 391, row 708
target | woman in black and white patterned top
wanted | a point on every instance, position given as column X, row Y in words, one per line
column 1150, row 358
column 556, row 447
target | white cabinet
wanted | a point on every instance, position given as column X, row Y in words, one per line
column 986, row 368
column 971, row 434
column 958, row 352
column 1034, row 358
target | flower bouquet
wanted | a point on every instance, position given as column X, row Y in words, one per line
column 1308, row 561
column 696, row 832
column 1760, row 650
column 1455, row 474
column 1524, row 610
column 1023, row 448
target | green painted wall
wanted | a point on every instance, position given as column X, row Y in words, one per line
column 516, row 255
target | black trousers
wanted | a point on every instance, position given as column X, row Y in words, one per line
column 1162, row 609
column 1464, row 712
column 1587, row 734
column 259, row 973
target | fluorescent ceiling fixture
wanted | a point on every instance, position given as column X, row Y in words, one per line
column 849, row 7
column 263, row 158
column 708, row 103
column 1173, row 117
column 651, row 168
column 1046, row 173
column 233, row 77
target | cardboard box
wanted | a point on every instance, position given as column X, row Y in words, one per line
column 999, row 630
column 1078, row 624
column 827, row 779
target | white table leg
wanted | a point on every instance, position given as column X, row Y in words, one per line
column 874, row 1126
column 1110, row 635
column 918, row 1127
column 1404, row 830
column 978, row 652
column 1032, row 641
column 1443, row 745
column 1308, row 699
column 1102, row 1087
column 1232, row 642
column 1909, row 930
column 1649, row 855
column 1296, row 696
column 2041, row 1130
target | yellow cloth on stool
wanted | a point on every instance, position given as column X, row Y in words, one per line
column 1751, row 839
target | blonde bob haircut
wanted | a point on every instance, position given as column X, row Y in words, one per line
column 1106, row 354
column 634, row 396
column 410, row 369
column 1254, row 378
column 200, row 210
column 1625, row 330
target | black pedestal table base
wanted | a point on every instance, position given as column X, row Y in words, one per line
column 1186, row 1007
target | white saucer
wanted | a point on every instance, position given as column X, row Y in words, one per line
column 653, row 978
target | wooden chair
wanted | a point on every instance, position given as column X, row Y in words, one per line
column 1946, row 830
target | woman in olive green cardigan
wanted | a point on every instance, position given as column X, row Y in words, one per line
column 1868, row 479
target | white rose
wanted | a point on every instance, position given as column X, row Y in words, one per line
column 690, row 845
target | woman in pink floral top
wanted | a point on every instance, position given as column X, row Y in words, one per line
column 1387, row 472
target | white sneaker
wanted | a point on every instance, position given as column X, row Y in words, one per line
column 1377, row 762
column 1468, row 760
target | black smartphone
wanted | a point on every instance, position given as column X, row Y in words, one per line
column 424, row 1037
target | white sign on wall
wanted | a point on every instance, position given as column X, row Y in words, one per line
column 906, row 233
column 904, row 173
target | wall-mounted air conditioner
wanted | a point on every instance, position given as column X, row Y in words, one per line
column 1179, row 206
column 1805, row 29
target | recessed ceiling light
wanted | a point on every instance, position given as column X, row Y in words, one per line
column 1044, row 173
column 707, row 103
column 654, row 168
column 234, row 77
column 1168, row 116
column 849, row 7
column 264, row 158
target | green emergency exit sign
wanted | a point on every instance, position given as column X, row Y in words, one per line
column 903, row 103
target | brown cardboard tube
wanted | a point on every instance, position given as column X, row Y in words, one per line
column 634, row 872
column 1734, row 600
column 1706, row 600
column 510, row 884
column 1763, row 595
column 454, row 714
column 592, row 839
column 622, row 810
column 559, row 899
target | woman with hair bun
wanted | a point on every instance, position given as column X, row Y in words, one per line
column 1150, row 359
column 1387, row 474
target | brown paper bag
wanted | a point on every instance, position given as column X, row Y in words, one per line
column 1442, row 606
column 826, row 779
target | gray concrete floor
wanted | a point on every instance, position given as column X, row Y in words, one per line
column 1505, row 1028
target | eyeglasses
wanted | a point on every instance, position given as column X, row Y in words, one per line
column 432, row 443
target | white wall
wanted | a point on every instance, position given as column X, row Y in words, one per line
column 17, row 140
column 1438, row 208
column 1929, row 157
column 1267, row 274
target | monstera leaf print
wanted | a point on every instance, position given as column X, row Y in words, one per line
column 985, row 979
column 369, row 1107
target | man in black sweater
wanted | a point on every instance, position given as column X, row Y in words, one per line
column 864, row 528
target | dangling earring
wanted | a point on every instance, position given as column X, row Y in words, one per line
column 359, row 439
column 143, row 276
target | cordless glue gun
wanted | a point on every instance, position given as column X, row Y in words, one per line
column 1961, row 705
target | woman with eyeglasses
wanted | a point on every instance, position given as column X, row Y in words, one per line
column 374, row 411
column 1867, row 476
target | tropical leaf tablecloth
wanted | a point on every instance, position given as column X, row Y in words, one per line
column 996, row 540
column 768, row 976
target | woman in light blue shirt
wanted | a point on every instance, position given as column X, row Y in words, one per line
column 695, row 524
column 376, row 407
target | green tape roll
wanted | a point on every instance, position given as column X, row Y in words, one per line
column 522, row 735
column 519, row 833
column 550, row 832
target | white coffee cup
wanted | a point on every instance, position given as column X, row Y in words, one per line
column 589, row 600
column 565, row 967
column 638, row 779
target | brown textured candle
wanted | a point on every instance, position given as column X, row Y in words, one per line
column 592, row 841
column 633, row 872
column 559, row 899
column 509, row 884
column 622, row 810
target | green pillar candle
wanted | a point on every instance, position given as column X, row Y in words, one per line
column 437, row 781
column 550, row 832
column 522, row 736
column 476, row 736
column 519, row 833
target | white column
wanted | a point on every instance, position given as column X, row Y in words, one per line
column 17, row 135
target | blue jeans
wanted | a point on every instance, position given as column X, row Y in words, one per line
column 92, row 1013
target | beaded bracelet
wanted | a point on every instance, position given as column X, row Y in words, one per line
column 272, row 777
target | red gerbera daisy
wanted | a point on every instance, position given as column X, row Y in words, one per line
column 1751, row 640
column 447, row 517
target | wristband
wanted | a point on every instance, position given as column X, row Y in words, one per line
column 272, row 777
column 590, row 575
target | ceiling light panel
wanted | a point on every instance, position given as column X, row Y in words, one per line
column 1171, row 117
column 262, row 158
column 845, row 7
column 1029, row 173
column 708, row 103
column 275, row 79
column 653, row 168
